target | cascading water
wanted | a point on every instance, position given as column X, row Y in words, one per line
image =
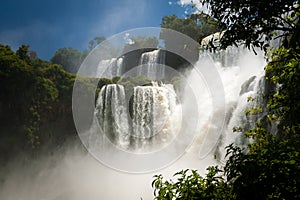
column 112, row 113
column 253, row 88
column 242, row 74
column 117, row 67
column 152, row 64
column 101, row 65
column 113, row 66
column 241, row 78
column 152, row 107
column 226, row 58
column 151, row 115
column 143, row 111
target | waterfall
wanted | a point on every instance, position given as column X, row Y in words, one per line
column 152, row 64
column 101, row 68
column 143, row 111
column 243, row 76
column 227, row 57
column 253, row 87
column 112, row 113
column 149, row 113
column 152, row 108
column 117, row 67
column 110, row 68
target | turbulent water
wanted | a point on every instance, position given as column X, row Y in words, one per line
column 151, row 112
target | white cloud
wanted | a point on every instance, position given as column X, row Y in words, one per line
column 170, row 2
column 199, row 7
column 185, row 2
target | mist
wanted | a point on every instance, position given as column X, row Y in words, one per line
column 72, row 173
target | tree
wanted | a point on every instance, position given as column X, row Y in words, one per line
column 33, row 55
column 23, row 52
column 94, row 42
column 35, row 102
column 196, row 26
column 255, row 23
column 69, row 58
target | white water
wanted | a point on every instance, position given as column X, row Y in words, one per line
column 240, row 82
column 151, row 121
column 152, row 64
column 151, row 110
column 113, row 68
column 73, row 175
column 112, row 113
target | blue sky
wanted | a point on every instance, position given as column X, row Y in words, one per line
column 52, row 24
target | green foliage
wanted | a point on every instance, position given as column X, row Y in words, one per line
column 115, row 79
column 104, row 81
column 285, row 103
column 35, row 97
column 270, row 169
column 94, row 42
column 196, row 26
column 256, row 23
column 23, row 53
column 69, row 58
column 190, row 185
